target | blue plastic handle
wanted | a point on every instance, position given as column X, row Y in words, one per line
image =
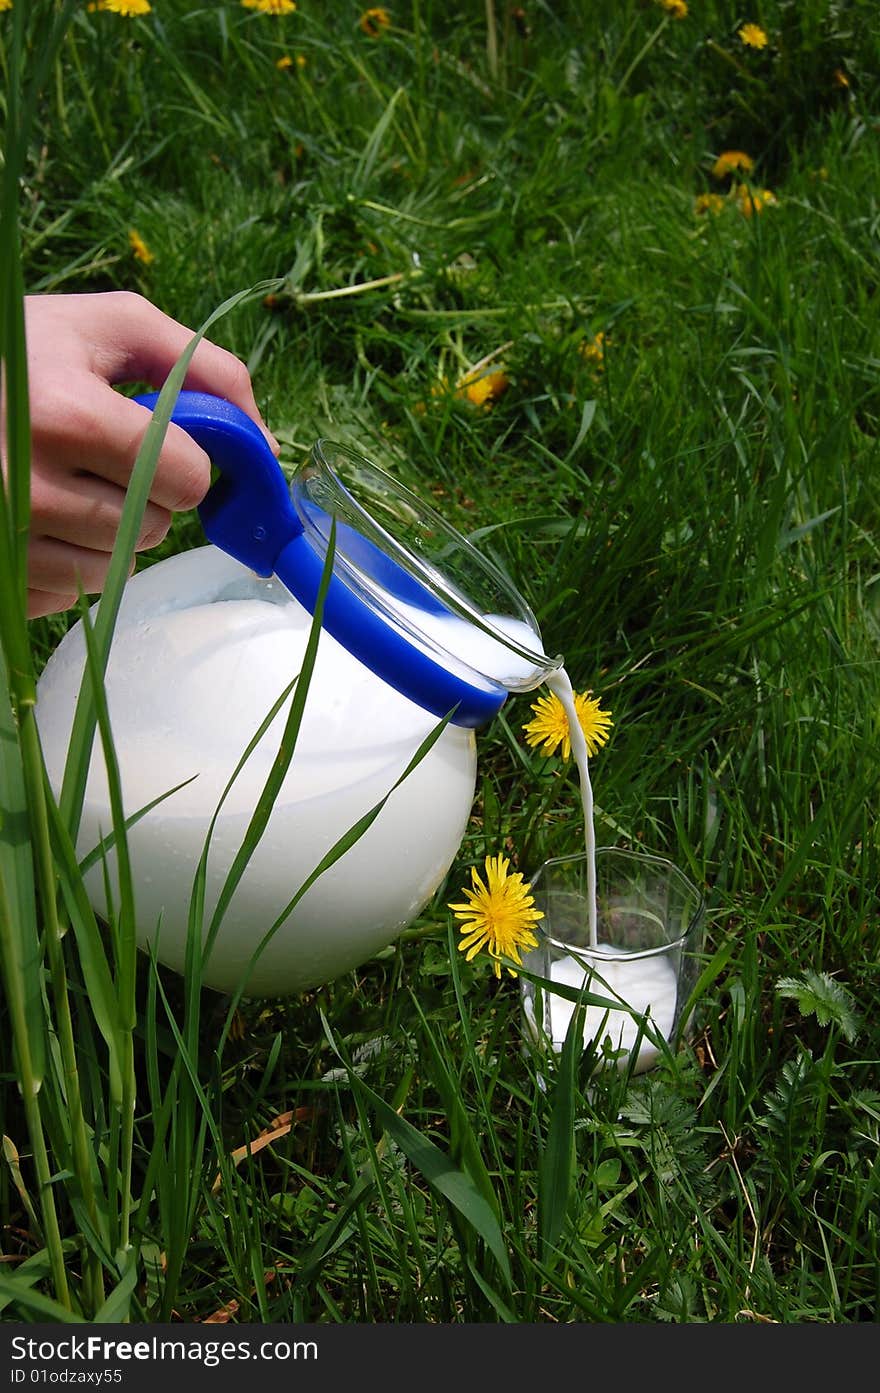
column 248, row 512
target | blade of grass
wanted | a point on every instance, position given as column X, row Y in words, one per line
column 437, row 1168
column 463, row 1143
column 125, row 949
column 22, row 1297
column 106, row 844
column 339, row 848
column 557, row 1164
column 22, row 959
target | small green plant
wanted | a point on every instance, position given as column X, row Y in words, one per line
column 818, row 994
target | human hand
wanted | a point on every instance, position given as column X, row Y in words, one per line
column 85, row 436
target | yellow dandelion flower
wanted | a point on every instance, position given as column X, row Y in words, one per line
column 482, row 388
column 549, row 728
column 5, row 5
column 301, row 60
column 270, row 7
column 594, row 349
column 139, row 247
column 283, row 63
column 730, row 160
column 677, row 8
column 753, row 36
column 708, row 203
column 373, row 21
column 752, row 201
column 498, row 914
column 131, row 9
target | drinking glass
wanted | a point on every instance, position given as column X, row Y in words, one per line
column 643, row 965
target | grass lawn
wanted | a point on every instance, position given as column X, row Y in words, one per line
column 658, row 227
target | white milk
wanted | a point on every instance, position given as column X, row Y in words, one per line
column 647, row 985
column 201, row 650
column 560, row 684
column 472, row 653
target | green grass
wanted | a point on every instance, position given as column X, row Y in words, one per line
column 695, row 523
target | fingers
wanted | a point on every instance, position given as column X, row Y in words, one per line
column 86, row 436
column 73, row 529
column 142, row 344
column 99, row 432
column 42, row 602
column 58, row 568
column 86, row 511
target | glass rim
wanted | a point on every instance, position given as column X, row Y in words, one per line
column 433, row 580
